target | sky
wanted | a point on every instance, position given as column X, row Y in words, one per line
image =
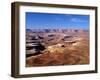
column 56, row 21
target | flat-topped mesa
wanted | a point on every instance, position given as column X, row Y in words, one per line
column 34, row 48
column 32, row 41
column 70, row 42
column 55, row 30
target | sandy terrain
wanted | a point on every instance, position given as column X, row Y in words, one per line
column 57, row 47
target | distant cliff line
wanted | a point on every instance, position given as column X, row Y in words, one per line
column 57, row 30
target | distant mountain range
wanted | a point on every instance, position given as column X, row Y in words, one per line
column 55, row 30
column 29, row 30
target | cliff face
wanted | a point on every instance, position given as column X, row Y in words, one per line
column 61, row 47
column 55, row 30
column 61, row 55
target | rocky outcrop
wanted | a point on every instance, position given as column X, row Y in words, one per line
column 48, row 47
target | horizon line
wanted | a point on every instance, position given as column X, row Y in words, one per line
column 58, row 28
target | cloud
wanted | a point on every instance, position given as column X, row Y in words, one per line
column 77, row 20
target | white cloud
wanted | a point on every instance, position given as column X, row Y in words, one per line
column 77, row 20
